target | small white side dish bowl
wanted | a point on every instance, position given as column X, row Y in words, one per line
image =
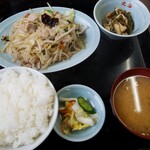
column 76, row 90
column 139, row 12
column 26, row 107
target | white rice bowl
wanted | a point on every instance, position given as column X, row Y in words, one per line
column 28, row 108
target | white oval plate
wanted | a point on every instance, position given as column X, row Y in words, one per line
column 92, row 39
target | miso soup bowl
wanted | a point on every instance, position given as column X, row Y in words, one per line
column 130, row 101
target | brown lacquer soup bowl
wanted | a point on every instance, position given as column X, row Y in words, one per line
column 130, row 101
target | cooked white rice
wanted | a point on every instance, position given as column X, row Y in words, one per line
column 26, row 104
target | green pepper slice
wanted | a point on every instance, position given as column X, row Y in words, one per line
column 85, row 105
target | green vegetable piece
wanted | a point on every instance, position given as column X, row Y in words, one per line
column 49, row 11
column 86, row 106
column 70, row 15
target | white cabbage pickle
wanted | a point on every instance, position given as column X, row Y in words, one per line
column 74, row 117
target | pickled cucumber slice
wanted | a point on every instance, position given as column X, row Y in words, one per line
column 85, row 105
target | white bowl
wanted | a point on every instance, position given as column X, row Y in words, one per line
column 76, row 90
column 139, row 12
column 42, row 137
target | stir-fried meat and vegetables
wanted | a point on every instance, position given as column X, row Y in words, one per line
column 119, row 21
column 38, row 40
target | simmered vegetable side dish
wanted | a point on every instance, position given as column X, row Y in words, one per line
column 76, row 114
column 119, row 21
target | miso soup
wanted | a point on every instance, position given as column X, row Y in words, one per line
column 132, row 103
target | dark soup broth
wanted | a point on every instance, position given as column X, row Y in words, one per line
column 132, row 103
